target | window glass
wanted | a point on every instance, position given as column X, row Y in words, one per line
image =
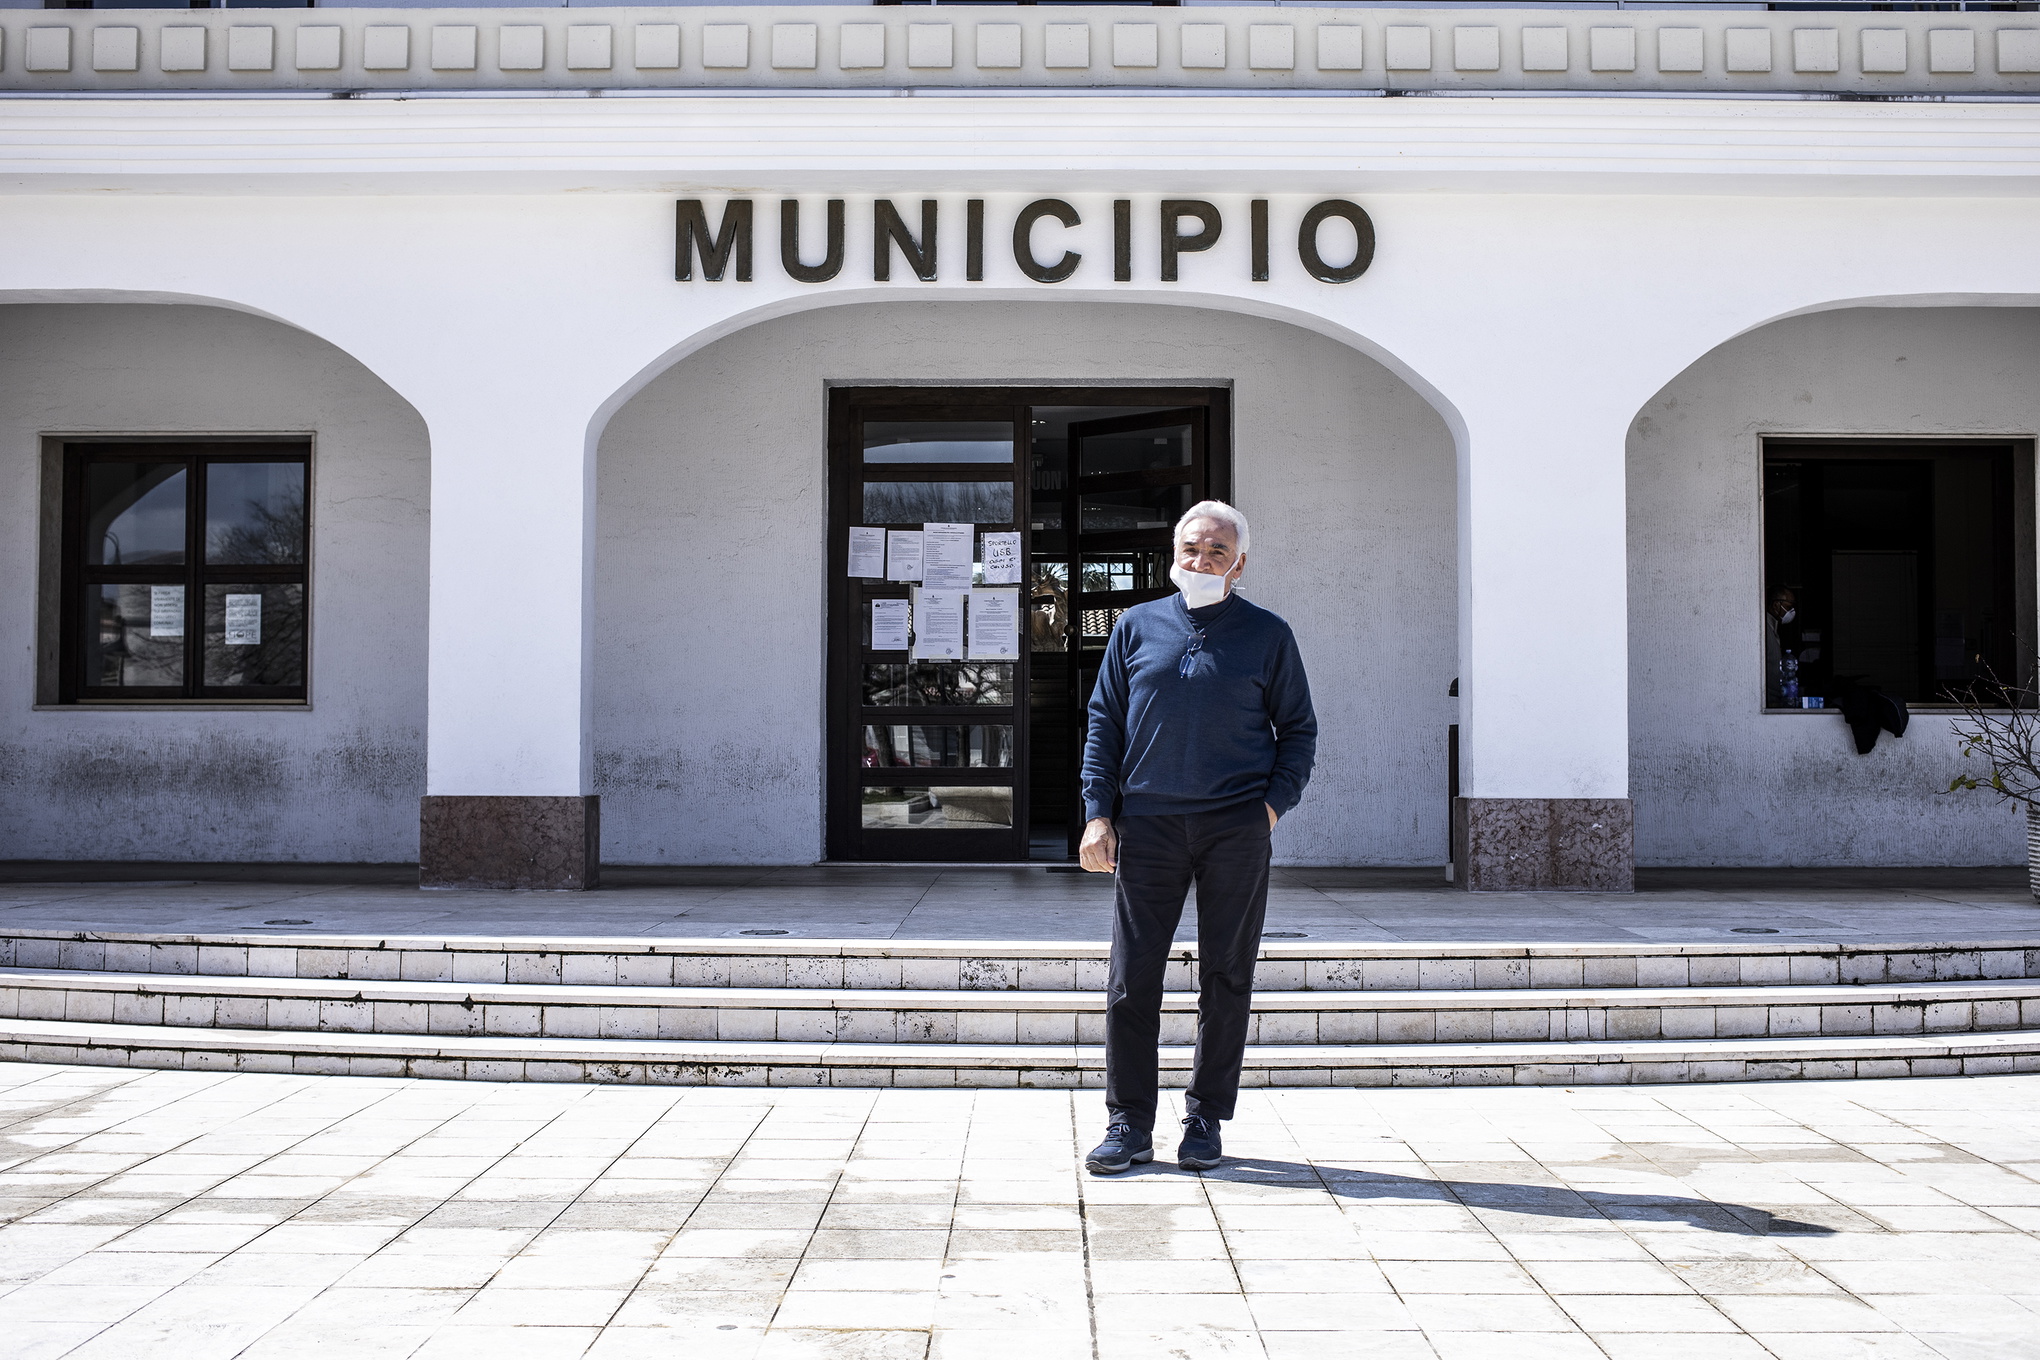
column 1133, row 450
column 134, row 514
column 134, row 636
column 974, row 746
column 1098, row 623
column 1891, row 572
column 188, row 565
column 938, row 808
column 938, row 441
column 1151, row 507
column 255, row 635
column 938, row 503
column 938, row 683
column 1048, row 607
column 255, row 513
column 1146, row 569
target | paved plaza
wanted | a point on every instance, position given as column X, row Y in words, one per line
column 1348, row 906
column 198, row 1215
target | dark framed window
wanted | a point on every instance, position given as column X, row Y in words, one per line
column 1894, row 566
column 184, row 571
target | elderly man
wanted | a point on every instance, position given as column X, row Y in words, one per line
column 1201, row 736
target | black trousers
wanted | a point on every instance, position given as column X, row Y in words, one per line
column 1225, row 853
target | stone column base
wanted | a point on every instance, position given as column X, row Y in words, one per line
column 1543, row 844
column 509, row 842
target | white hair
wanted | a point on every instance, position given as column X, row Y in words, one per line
column 1220, row 511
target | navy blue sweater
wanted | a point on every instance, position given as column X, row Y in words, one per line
column 1239, row 727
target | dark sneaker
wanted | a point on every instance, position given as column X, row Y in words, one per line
column 1199, row 1149
column 1123, row 1146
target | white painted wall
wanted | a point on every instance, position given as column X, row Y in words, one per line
column 1716, row 781
column 337, row 781
column 1543, row 267
column 709, row 606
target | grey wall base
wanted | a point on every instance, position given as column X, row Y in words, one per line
column 478, row 842
column 1543, row 844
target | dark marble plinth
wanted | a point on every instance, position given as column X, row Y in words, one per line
column 1547, row 844
column 509, row 842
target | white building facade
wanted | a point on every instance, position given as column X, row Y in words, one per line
column 441, row 434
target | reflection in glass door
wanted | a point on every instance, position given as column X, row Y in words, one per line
column 948, row 754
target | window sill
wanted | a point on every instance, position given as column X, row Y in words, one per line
column 178, row 706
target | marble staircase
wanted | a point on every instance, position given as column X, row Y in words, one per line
column 988, row 1013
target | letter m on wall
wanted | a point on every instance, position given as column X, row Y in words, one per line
column 715, row 248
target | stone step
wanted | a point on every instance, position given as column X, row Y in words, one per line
column 991, row 965
column 892, row 1016
column 1009, row 1065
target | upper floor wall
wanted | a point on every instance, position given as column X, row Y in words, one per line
column 348, row 51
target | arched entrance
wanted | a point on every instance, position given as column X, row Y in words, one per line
column 718, row 580
column 327, row 769
column 1876, row 463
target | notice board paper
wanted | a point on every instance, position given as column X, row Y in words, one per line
column 938, row 624
column 890, row 620
column 244, row 620
column 166, row 611
column 994, row 625
column 867, row 552
column 947, row 551
column 903, row 555
column 1002, row 559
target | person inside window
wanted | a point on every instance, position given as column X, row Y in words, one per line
column 1779, row 638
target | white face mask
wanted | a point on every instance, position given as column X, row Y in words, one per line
column 1788, row 616
column 1199, row 588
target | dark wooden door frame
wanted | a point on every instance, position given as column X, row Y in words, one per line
column 844, row 778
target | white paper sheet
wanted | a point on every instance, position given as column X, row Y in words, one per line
column 938, row 625
column 903, row 555
column 994, row 625
column 867, row 552
column 947, row 551
column 1002, row 559
column 890, row 620
column 166, row 611
column 244, row 621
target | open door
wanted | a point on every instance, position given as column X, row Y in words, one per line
column 971, row 761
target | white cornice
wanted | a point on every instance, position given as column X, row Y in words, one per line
column 1021, row 143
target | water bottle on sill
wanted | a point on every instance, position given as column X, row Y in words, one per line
column 1788, row 679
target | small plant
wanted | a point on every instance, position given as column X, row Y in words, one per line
column 2000, row 726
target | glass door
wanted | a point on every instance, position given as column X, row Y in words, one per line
column 1122, row 479
column 982, row 542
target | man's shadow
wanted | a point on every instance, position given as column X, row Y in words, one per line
column 1546, row 1201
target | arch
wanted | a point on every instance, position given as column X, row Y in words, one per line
column 1899, row 301
column 139, row 297
column 710, row 493
column 797, row 303
column 1719, row 781
column 336, row 779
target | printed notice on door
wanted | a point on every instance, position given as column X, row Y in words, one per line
column 938, row 624
column 867, row 552
column 166, row 611
column 244, row 621
column 1002, row 559
column 889, row 623
column 903, row 555
column 946, row 553
column 994, row 625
